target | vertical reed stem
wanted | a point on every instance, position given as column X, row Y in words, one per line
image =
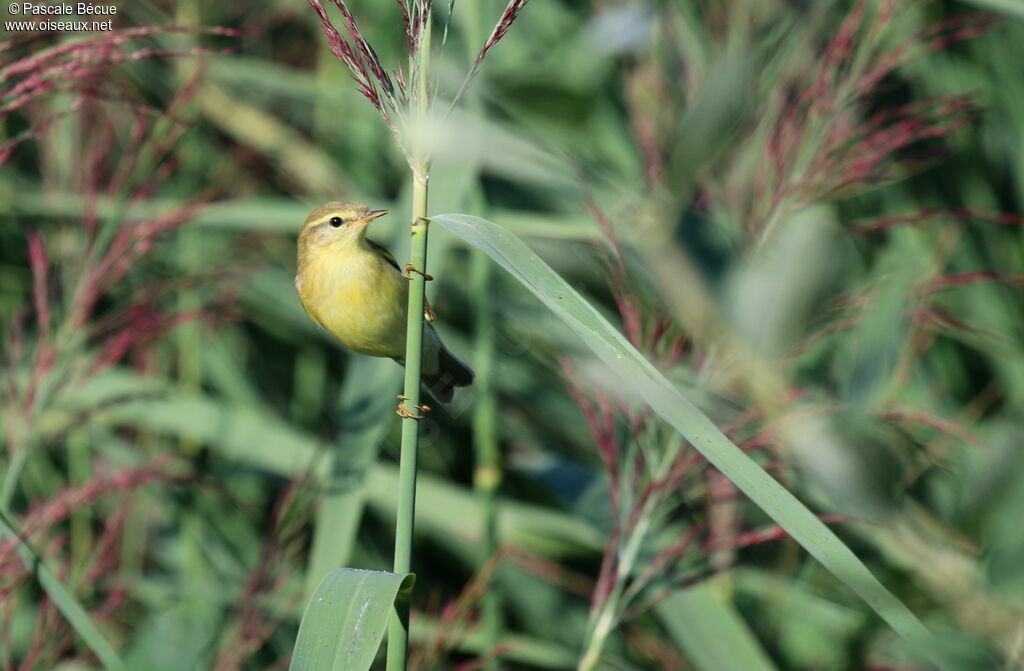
column 487, row 474
column 398, row 633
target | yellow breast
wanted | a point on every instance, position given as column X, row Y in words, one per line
column 357, row 296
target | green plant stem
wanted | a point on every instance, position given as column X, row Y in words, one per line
column 605, row 618
column 602, row 622
column 487, row 474
column 398, row 630
column 398, row 633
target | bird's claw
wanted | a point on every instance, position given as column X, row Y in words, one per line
column 410, row 268
column 402, row 411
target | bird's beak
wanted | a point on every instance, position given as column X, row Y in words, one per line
column 371, row 215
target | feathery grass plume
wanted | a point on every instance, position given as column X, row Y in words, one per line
column 371, row 78
column 508, row 17
column 666, row 521
column 82, row 68
column 848, row 311
column 109, row 249
column 70, row 330
column 924, row 306
column 877, row 225
column 89, row 309
column 44, row 518
column 821, row 140
column 825, row 129
column 52, row 639
column 415, row 16
column 829, row 132
column 663, row 535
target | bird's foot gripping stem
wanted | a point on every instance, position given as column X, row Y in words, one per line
column 410, row 269
column 402, row 411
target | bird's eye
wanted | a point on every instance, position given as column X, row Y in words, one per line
column 336, row 222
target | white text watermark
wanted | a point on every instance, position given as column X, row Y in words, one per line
column 46, row 17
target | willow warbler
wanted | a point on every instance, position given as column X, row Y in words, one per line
column 353, row 287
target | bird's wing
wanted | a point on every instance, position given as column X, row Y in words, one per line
column 384, row 253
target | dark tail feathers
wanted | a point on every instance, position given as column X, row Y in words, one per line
column 452, row 373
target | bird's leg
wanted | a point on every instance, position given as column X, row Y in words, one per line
column 402, row 411
column 409, row 269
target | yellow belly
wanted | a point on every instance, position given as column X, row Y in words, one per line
column 359, row 298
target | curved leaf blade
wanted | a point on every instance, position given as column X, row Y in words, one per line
column 634, row 369
column 346, row 619
column 367, row 395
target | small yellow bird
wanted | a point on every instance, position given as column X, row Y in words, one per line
column 354, row 288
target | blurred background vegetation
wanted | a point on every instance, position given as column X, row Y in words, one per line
column 808, row 214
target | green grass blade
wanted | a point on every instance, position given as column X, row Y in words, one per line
column 368, row 395
column 257, row 438
column 710, row 632
column 62, row 598
column 345, row 620
column 649, row 384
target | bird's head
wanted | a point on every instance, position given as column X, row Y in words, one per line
column 337, row 222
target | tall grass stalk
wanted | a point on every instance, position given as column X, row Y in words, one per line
column 398, row 631
column 487, row 474
column 604, row 619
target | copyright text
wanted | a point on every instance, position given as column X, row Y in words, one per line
column 42, row 16
column 79, row 9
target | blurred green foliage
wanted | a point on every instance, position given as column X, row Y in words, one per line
column 191, row 455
